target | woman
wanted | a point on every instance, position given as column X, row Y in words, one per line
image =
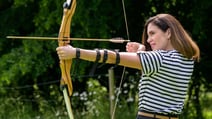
column 165, row 57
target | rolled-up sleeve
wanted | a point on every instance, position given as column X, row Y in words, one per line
column 150, row 61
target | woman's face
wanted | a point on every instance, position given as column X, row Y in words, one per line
column 158, row 39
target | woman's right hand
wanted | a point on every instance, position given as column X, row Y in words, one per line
column 134, row 47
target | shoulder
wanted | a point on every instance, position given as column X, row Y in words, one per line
column 161, row 56
column 164, row 53
column 174, row 55
column 156, row 54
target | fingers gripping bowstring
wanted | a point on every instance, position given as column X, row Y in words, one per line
column 123, row 73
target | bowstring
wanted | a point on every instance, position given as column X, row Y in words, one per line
column 125, row 19
column 123, row 72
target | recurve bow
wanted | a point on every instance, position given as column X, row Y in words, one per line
column 65, row 65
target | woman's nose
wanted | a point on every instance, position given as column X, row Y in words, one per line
column 148, row 39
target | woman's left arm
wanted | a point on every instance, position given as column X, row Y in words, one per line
column 128, row 59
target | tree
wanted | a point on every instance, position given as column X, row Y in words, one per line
column 34, row 62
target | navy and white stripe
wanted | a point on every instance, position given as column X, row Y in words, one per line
column 164, row 81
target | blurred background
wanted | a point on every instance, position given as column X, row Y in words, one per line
column 30, row 73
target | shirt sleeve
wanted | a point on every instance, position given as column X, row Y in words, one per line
column 150, row 61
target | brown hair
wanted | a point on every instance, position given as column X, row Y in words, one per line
column 180, row 39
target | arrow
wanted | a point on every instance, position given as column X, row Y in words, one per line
column 114, row 40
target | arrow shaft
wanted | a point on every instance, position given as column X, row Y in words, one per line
column 115, row 40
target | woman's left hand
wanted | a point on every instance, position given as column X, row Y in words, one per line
column 66, row 52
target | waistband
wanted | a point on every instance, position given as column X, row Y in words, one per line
column 157, row 115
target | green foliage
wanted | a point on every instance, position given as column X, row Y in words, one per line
column 206, row 103
column 95, row 100
column 20, row 109
column 30, row 63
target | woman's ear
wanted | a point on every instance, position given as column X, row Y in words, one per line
column 168, row 32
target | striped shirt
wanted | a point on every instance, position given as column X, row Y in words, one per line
column 164, row 82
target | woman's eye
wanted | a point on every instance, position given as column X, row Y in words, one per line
column 152, row 33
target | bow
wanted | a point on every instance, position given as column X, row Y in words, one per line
column 65, row 65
